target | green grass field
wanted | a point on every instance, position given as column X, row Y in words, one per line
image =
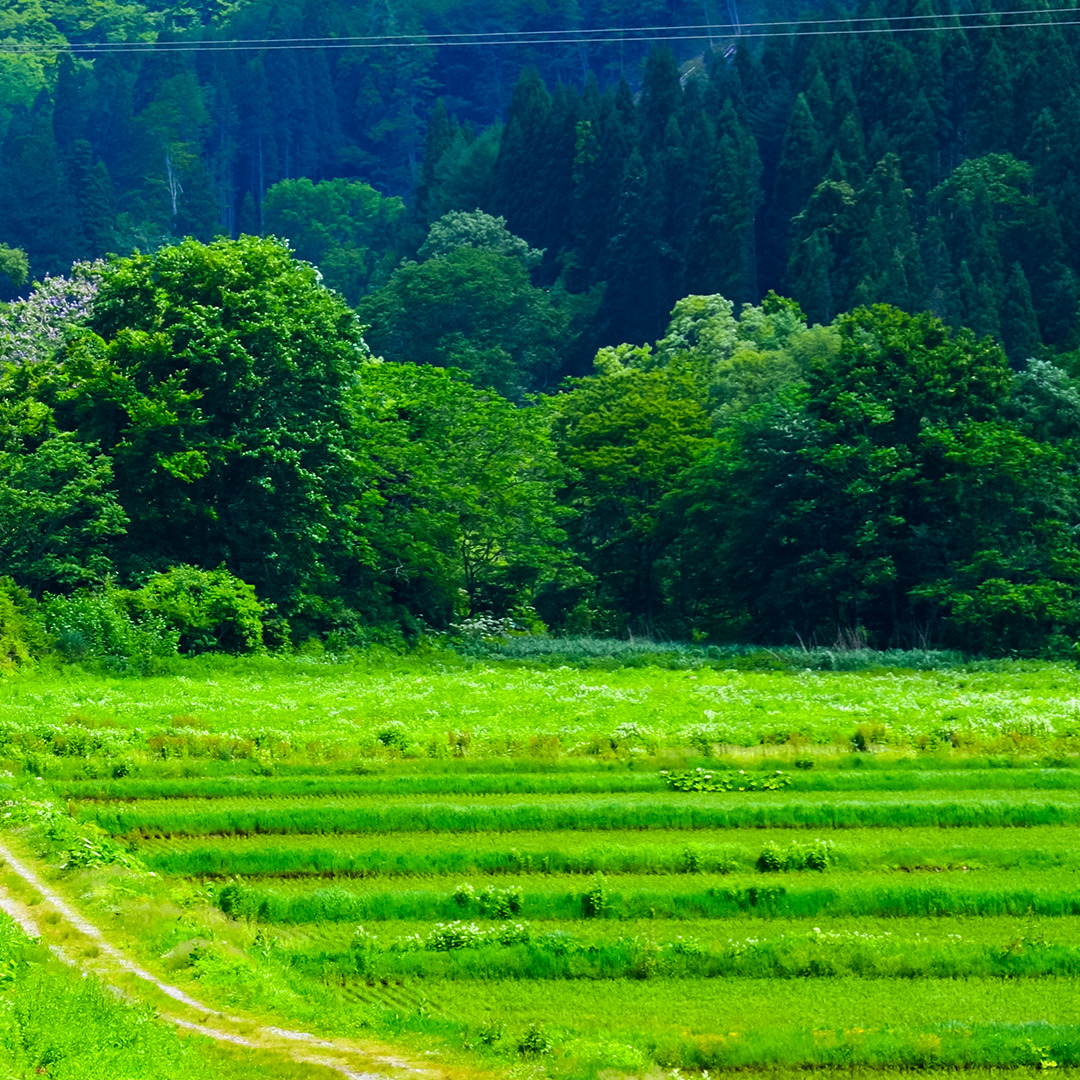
column 485, row 858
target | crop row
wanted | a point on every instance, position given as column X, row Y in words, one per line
column 691, row 813
column 870, row 779
column 575, row 853
column 765, row 898
column 520, row 950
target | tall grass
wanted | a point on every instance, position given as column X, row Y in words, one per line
column 765, row 898
column 579, row 854
column 329, row 786
column 588, row 814
column 533, row 952
column 642, row 779
column 55, row 1024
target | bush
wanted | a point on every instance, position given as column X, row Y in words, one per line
column 811, row 855
column 20, row 635
column 105, row 625
column 535, row 1042
column 706, row 780
column 210, row 610
column 595, row 901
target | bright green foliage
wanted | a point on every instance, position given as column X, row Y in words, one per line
column 210, row 609
column 54, row 1024
column 344, row 227
column 475, row 309
column 216, row 378
column 700, row 779
column 14, row 267
column 107, row 625
column 479, row 230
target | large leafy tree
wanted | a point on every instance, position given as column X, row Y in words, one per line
column 344, row 227
column 626, row 433
column 58, row 514
column 468, row 522
column 474, row 308
column 217, row 377
column 892, row 496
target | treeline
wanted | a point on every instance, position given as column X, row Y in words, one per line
column 926, row 162
column 201, row 437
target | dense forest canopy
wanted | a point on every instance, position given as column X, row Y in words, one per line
column 762, row 335
column 924, row 160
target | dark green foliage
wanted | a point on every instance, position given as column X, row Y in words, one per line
column 925, row 171
column 898, row 494
column 475, row 309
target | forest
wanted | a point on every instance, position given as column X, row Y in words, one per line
column 760, row 332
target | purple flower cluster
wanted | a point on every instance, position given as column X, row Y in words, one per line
column 31, row 329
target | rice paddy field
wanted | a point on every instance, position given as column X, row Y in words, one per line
column 518, row 868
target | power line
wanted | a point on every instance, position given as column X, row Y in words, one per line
column 608, row 35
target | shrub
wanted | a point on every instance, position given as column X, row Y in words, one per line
column 706, row 780
column 772, row 859
column 20, row 635
column 535, row 1042
column 595, row 902
column 104, row 624
column 210, row 610
column 813, row 855
column 393, row 735
column 500, row 903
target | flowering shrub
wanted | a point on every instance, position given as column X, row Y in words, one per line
column 31, row 330
column 444, row 937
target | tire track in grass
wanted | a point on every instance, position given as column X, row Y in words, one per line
column 294, row 1044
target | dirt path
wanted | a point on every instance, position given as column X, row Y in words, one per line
column 350, row 1061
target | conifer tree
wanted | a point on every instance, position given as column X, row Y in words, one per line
column 798, row 173
column 722, row 254
column 1019, row 326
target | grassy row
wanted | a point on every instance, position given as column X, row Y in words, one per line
column 689, row 813
column 961, row 1045
column 678, row 856
column 869, row 779
column 766, row 898
column 535, row 953
column 769, row 1023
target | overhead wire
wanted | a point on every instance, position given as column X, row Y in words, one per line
column 833, row 27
